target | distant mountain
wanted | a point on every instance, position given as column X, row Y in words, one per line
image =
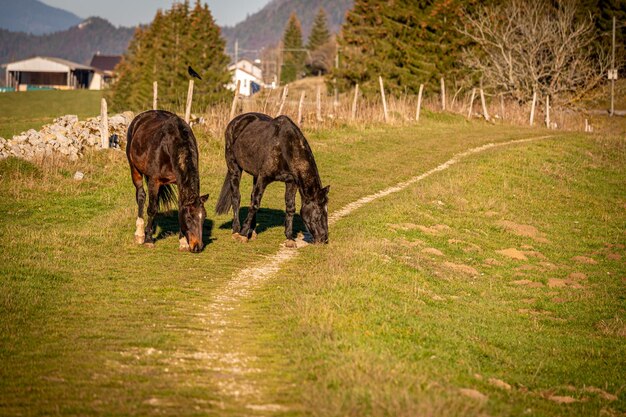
column 78, row 43
column 32, row 16
column 266, row 27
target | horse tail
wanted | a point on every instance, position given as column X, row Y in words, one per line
column 224, row 202
column 166, row 197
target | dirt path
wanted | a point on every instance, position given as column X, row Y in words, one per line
column 222, row 353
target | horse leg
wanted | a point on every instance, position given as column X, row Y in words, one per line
column 290, row 210
column 257, row 193
column 153, row 208
column 235, row 178
column 140, row 197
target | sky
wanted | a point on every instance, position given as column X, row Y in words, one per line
column 134, row 12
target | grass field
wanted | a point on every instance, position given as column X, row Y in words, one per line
column 416, row 307
column 33, row 109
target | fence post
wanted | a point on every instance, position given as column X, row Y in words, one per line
column 267, row 98
column 532, row 108
column 189, row 100
column 419, row 103
column 382, row 93
column 104, row 124
column 318, row 104
column 300, row 107
column 354, row 102
column 482, row 101
column 548, row 111
column 233, row 107
column 471, row 104
column 155, row 95
column 443, row 94
column 282, row 100
column 502, row 105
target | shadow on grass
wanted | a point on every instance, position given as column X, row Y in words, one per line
column 167, row 224
column 266, row 219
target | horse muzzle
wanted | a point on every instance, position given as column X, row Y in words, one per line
column 195, row 245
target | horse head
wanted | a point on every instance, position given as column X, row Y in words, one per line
column 314, row 213
column 191, row 217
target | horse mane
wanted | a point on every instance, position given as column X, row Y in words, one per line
column 185, row 161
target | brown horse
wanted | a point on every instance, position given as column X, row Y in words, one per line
column 162, row 149
column 273, row 150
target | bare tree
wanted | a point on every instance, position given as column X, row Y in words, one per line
column 521, row 46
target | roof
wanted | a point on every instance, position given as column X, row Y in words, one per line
column 248, row 67
column 105, row 62
column 46, row 64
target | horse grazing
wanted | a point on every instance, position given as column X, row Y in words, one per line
column 273, row 150
column 162, row 149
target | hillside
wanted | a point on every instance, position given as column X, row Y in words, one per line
column 266, row 27
column 32, row 16
column 78, row 43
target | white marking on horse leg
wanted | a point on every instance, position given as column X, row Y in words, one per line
column 140, row 234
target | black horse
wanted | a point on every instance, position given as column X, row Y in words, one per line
column 162, row 149
column 273, row 150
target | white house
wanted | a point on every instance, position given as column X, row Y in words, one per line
column 48, row 72
column 250, row 77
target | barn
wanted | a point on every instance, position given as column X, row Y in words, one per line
column 48, row 72
column 250, row 77
column 104, row 66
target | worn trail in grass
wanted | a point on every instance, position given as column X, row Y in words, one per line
column 92, row 324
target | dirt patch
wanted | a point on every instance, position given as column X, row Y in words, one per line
column 577, row 276
column 513, row 254
column 432, row 251
column 613, row 256
column 409, row 243
column 435, row 230
column 472, row 393
column 525, row 230
column 535, row 254
column 465, row 246
column 498, row 383
column 562, row 399
column 491, row 213
column 492, row 262
column 527, row 282
column 584, row 260
column 560, row 283
column 465, row 269
column 601, row 393
column 402, row 226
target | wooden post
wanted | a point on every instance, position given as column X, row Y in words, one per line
column 443, row 94
column 189, row 100
column 104, row 124
column 532, row 108
column 354, row 101
column 548, row 112
column 586, row 125
column 282, row 100
column 155, row 95
column 382, row 93
column 267, row 98
column 419, row 103
column 318, row 104
column 471, row 104
column 233, row 107
column 482, row 101
column 502, row 105
column 300, row 107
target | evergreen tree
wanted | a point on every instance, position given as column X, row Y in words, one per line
column 407, row 42
column 319, row 32
column 293, row 54
column 162, row 51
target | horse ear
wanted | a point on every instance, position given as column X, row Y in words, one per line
column 204, row 198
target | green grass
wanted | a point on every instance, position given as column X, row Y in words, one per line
column 33, row 109
column 91, row 324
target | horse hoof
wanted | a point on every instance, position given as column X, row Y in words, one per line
column 139, row 239
column 183, row 248
column 242, row 239
column 149, row 245
column 291, row 244
column 253, row 236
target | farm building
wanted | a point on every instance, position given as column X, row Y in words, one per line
column 250, row 77
column 104, row 66
column 48, row 72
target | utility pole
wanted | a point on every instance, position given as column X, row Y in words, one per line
column 613, row 72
